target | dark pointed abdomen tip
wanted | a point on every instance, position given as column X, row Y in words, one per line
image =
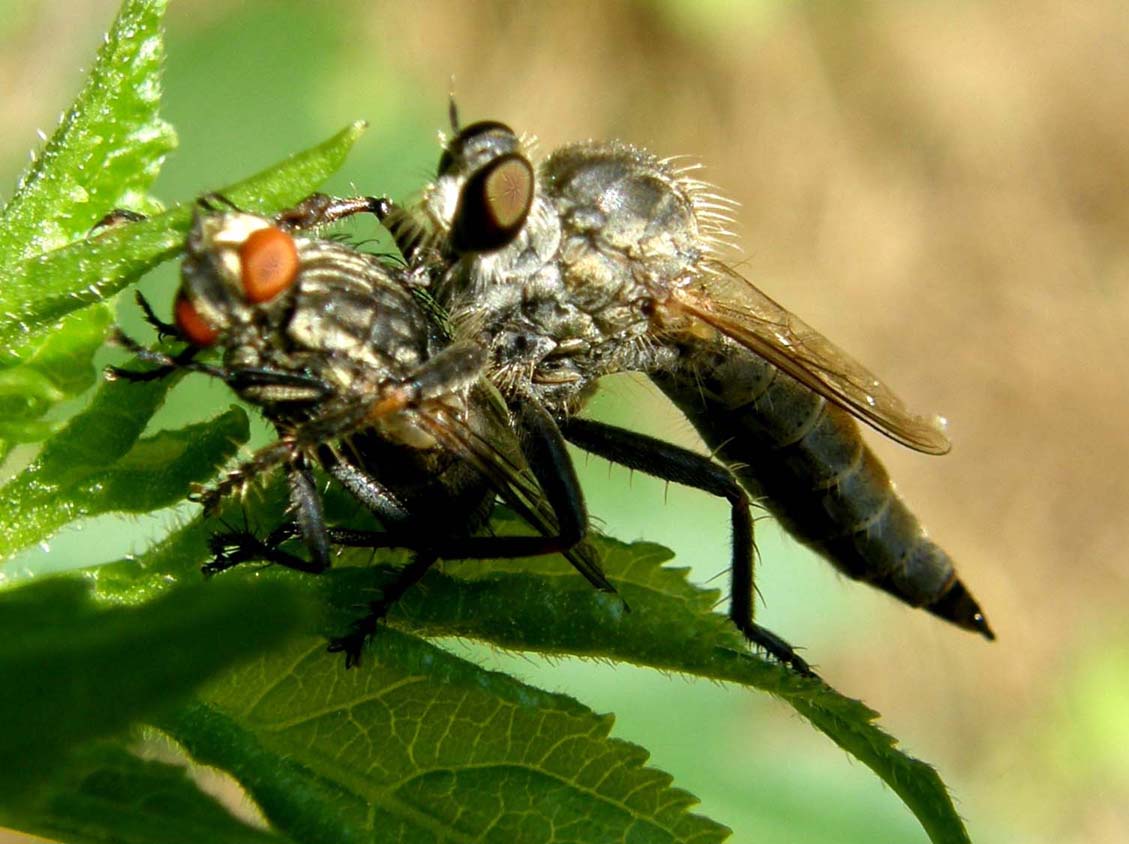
column 959, row 607
column 980, row 625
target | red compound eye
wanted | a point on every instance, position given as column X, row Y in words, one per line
column 191, row 325
column 269, row 259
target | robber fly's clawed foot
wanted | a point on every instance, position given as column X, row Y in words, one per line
column 353, row 643
column 778, row 649
column 233, row 548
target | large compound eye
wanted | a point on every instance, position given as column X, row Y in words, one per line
column 485, row 136
column 493, row 205
column 269, row 261
column 190, row 324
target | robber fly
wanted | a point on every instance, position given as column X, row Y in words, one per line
column 356, row 373
column 603, row 259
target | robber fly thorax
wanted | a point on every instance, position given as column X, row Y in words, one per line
column 603, row 259
column 557, row 314
column 344, row 355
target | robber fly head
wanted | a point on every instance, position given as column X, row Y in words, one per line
column 236, row 264
column 484, row 188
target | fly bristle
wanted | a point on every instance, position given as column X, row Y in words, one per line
column 411, row 231
column 680, row 170
column 528, row 144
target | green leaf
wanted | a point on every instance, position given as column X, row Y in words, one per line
column 422, row 746
column 73, row 672
column 40, row 290
column 105, row 154
column 107, row 795
column 542, row 605
column 106, row 151
column 58, row 367
column 536, row 605
column 98, row 464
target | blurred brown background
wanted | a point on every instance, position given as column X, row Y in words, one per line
column 942, row 188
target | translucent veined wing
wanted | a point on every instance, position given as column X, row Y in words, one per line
column 730, row 303
column 510, row 479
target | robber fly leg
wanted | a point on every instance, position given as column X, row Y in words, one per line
column 386, row 506
column 672, row 463
column 407, row 234
column 548, row 458
column 319, row 209
column 352, row 644
column 544, row 449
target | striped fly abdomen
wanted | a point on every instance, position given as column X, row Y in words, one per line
column 806, row 461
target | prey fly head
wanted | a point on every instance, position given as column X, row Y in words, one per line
column 235, row 264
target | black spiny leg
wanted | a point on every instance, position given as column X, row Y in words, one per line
column 319, row 209
column 165, row 364
column 164, row 329
column 236, row 547
column 353, row 642
column 672, row 463
column 408, row 235
column 232, row 548
column 543, row 446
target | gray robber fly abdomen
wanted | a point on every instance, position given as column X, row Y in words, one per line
column 609, row 264
column 805, row 461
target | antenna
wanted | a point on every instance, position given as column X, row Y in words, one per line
column 452, row 108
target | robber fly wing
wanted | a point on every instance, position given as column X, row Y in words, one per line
column 730, row 303
column 513, row 483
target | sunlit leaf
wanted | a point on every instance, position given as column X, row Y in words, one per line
column 106, row 151
column 45, row 287
column 98, row 464
column 422, row 746
column 660, row 620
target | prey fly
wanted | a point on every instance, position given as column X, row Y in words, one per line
column 341, row 354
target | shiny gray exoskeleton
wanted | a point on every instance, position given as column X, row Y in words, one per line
column 606, row 262
column 341, row 353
